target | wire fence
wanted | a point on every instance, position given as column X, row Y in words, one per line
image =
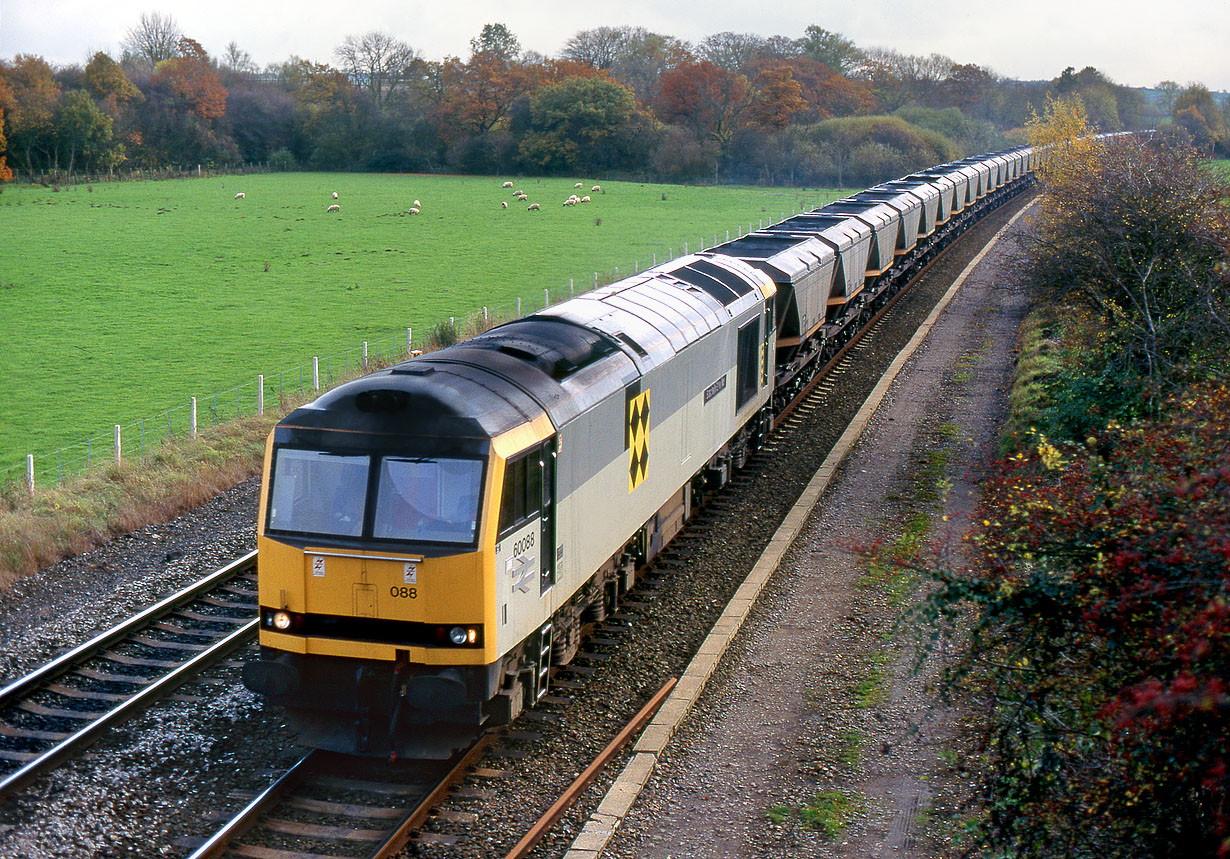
column 282, row 389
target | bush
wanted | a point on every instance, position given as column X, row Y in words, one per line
column 283, row 161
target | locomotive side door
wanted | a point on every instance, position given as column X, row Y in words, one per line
column 547, row 571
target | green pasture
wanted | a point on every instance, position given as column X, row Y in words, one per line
column 122, row 300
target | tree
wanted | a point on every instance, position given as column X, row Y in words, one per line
column 1195, row 110
column 105, row 79
column 833, row 49
column 237, row 62
column 154, row 39
column 779, row 97
column 601, row 47
column 712, row 100
column 83, row 131
column 1138, row 234
column 377, row 63
column 582, row 123
column 498, row 40
column 192, row 77
column 31, row 115
column 966, row 85
column 732, row 51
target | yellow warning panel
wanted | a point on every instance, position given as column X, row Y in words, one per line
column 636, row 439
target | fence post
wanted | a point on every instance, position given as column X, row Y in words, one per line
column 315, row 372
column 571, row 292
column 118, row 456
column 518, row 307
column 546, row 298
column 30, row 472
column 685, row 248
column 364, row 354
column 192, row 426
column 260, row 392
column 409, row 340
column 655, row 257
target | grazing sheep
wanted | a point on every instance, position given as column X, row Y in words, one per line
column 523, row 197
column 585, row 199
column 596, row 188
column 334, row 208
column 533, row 207
column 417, row 204
column 504, row 204
column 506, row 185
column 518, row 193
column 578, row 185
column 414, row 210
column 335, row 195
column 239, row 196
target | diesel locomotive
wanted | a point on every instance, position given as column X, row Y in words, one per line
column 434, row 537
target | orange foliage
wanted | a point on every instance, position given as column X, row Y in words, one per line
column 825, row 91
column 192, row 77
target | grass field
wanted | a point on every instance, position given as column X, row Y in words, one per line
column 123, row 300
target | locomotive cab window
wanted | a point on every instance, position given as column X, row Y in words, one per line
column 521, row 499
column 427, row 500
column 315, row 492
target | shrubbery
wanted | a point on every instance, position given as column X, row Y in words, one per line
column 1098, row 566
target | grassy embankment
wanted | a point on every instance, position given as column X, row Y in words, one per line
column 125, row 299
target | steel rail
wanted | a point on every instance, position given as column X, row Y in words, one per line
column 265, row 800
column 530, row 840
column 163, row 686
column 413, row 821
column 66, row 662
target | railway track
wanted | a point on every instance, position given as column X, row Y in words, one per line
column 333, row 805
column 51, row 714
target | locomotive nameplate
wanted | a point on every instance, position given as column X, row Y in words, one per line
column 715, row 389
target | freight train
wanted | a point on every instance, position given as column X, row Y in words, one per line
column 434, row 537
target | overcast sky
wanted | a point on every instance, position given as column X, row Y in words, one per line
column 1134, row 43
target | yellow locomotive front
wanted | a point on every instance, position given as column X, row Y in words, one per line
column 377, row 538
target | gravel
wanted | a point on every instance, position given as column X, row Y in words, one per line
column 170, row 773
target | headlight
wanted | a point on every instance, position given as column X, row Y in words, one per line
column 459, row 635
column 281, row 620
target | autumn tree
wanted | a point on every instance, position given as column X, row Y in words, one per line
column 711, row 100
column 191, row 76
column 31, row 114
column 779, row 98
column 106, row 80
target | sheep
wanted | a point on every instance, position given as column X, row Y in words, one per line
column 523, row 197
column 596, row 188
column 417, row 204
column 335, row 195
column 504, row 204
column 533, row 207
column 570, row 202
column 578, row 185
column 506, row 185
column 334, row 208
column 414, row 210
column 518, row 193
column 239, row 196
column 585, row 199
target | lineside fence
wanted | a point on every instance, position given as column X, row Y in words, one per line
column 278, row 391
